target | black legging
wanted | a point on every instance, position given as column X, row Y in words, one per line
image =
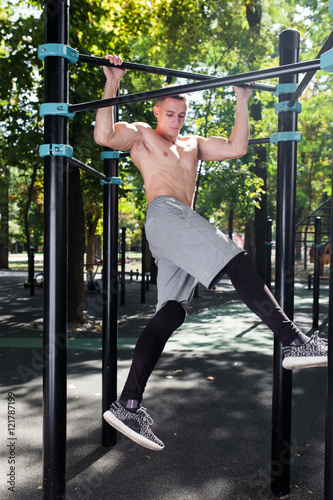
column 253, row 292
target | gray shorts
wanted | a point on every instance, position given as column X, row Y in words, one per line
column 186, row 249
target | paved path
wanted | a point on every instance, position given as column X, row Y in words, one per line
column 210, row 397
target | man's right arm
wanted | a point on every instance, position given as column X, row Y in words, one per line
column 120, row 135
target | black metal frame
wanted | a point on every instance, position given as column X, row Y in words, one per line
column 210, row 83
column 56, row 227
column 284, row 274
column 308, row 77
column 55, row 263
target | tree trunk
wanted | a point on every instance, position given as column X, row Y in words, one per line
column 249, row 243
column 92, row 226
column 76, row 248
column 27, row 224
column 4, row 219
column 231, row 223
column 260, row 221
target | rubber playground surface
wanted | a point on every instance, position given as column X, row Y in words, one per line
column 210, row 397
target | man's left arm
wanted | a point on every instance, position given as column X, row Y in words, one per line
column 219, row 148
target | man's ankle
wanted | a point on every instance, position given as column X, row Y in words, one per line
column 130, row 404
column 300, row 339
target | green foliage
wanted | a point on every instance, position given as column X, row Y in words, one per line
column 20, row 87
column 215, row 37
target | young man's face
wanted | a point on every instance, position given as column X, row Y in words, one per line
column 171, row 114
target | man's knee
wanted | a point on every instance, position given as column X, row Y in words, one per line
column 175, row 312
column 242, row 267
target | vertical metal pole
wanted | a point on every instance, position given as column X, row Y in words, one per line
column 143, row 267
column 110, row 299
column 268, row 277
column 55, row 262
column 110, row 295
column 328, row 482
column 123, row 263
column 284, row 279
column 316, row 273
column 32, row 271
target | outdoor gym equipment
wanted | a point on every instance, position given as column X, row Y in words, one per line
column 57, row 154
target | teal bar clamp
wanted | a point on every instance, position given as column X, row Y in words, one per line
column 112, row 180
column 326, row 61
column 331, row 8
column 58, row 50
column 286, row 136
column 285, row 88
column 282, row 106
column 110, row 155
column 55, row 150
column 113, row 155
column 55, row 108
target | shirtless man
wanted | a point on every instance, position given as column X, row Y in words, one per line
column 185, row 246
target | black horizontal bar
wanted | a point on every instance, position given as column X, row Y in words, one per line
column 308, row 77
column 161, row 71
column 77, row 163
column 251, row 76
column 311, row 214
column 143, row 68
column 260, row 140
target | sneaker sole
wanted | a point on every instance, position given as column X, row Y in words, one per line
column 291, row 363
column 137, row 438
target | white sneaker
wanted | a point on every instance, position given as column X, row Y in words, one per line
column 134, row 425
column 311, row 354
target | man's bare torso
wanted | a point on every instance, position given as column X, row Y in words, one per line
column 166, row 168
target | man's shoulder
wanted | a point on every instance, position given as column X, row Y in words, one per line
column 189, row 138
column 193, row 140
column 142, row 125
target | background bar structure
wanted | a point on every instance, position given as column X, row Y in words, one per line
column 110, row 299
column 328, row 482
column 284, row 275
column 76, row 163
column 110, row 295
column 308, row 77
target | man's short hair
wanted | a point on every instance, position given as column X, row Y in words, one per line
column 180, row 97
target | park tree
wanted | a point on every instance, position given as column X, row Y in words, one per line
column 20, row 79
column 312, row 20
column 215, row 37
column 4, row 212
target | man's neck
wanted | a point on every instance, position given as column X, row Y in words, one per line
column 167, row 137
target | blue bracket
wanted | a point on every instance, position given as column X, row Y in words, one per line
column 326, row 61
column 112, row 180
column 331, row 8
column 55, row 150
column 110, row 154
column 58, row 50
column 286, row 136
column 285, row 88
column 55, row 108
column 282, row 106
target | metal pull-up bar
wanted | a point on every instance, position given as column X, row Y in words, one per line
column 103, row 178
column 100, row 61
column 290, row 69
